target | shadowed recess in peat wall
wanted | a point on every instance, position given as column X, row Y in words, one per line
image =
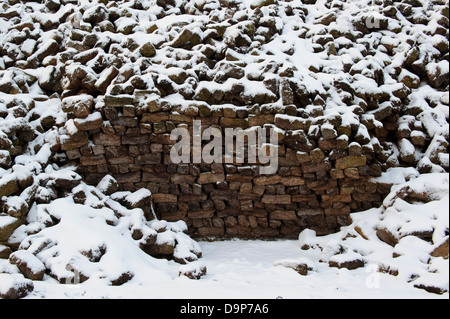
column 320, row 179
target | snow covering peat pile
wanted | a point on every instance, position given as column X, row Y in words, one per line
column 408, row 237
column 356, row 91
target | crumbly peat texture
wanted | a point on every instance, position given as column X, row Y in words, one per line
column 351, row 87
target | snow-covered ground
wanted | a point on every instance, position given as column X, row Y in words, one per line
column 245, row 269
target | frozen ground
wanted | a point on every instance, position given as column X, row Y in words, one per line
column 244, row 269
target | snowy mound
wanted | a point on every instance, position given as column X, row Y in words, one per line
column 408, row 237
column 88, row 236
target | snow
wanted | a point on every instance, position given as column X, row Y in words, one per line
column 64, row 235
column 346, row 257
column 83, row 229
column 240, row 269
column 138, row 195
column 397, row 175
column 106, row 183
column 32, row 263
column 7, row 220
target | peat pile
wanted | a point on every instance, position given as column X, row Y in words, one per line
column 93, row 88
column 406, row 238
